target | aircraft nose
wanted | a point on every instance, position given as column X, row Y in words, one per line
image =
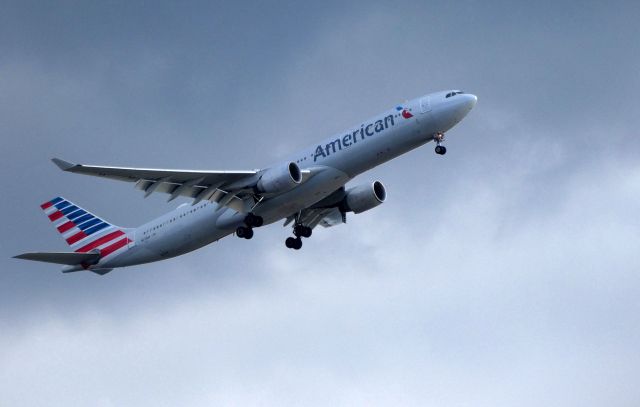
column 470, row 101
column 456, row 106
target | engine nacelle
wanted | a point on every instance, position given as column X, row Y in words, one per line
column 364, row 197
column 280, row 179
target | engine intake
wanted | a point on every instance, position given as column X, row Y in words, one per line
column 364, row 197
column 280, row 179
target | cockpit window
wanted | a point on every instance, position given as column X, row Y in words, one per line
column 455, row 92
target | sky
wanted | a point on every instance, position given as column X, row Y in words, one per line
column 504, row 273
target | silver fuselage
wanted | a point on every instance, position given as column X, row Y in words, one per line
column 335, row 161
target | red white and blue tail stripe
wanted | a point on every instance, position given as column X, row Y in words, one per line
column 84, row 231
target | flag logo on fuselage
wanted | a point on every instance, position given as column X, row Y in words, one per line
column 404, row 112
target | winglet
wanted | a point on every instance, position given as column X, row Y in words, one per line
column 62, row 164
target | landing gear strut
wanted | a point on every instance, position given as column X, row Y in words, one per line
column 251, row 221
column 300, row 231
column 440, row 149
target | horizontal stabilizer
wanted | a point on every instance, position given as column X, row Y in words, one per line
column 68, row 258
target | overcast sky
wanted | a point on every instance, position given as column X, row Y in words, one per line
column 504, row 273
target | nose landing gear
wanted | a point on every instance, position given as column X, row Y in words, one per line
column 440, row 149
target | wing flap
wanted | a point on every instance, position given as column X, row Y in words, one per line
column 332, row 217
column 67, row 258
column 325, row 217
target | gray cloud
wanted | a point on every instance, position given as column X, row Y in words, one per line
column 505, row 273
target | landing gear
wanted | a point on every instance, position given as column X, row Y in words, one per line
column 299, row 231
column 302, row 231
column 253, row 221
column 440, row 149
column 293, row 243
column 244, row 232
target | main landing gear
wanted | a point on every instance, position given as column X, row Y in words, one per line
column 440, row 149
column 251, row 221
column 299, row 231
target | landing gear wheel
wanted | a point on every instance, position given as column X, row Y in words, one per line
column 252, row 220
column 306, row 231
column 441, row 150
column 289, row 242
column 244, row 232
column 293, row 243
column 302, row 231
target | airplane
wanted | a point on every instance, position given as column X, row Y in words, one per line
column 306, row 190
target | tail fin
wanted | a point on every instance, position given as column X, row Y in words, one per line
column 84, row 231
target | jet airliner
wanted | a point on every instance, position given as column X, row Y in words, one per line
column 306, row 190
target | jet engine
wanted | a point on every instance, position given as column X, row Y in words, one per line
column 364, row 197
column 280, row 179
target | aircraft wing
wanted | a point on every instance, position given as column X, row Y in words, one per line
column 227, row 188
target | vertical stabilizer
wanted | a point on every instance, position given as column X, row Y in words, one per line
column 84, row 231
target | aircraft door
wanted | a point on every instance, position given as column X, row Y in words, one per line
column 425, row 105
